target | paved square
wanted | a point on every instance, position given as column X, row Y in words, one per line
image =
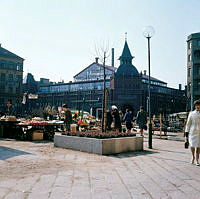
column 38, row 170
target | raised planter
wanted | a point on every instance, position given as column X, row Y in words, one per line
column 99, row 146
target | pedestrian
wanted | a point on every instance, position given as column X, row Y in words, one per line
column 109, row 119
column 116, row 117
column 68, row 117
column 128, row 120
column 141, row 120
column 192, row 130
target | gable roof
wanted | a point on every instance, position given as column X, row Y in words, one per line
column 101, row 65
column 6, row 53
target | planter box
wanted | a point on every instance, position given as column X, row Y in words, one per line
column 99, row 146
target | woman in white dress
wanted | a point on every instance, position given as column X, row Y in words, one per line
column 193, row 130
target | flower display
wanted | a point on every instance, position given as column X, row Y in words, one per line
column 101, row 135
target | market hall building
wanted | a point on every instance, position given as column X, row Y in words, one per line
column 125, row 88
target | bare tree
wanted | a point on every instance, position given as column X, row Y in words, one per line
column 102, row 52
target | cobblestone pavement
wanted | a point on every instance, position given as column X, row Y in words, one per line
column 37, row 170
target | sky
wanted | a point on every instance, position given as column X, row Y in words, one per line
column 58, row 38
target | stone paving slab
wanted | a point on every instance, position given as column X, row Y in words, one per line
column 38, row 170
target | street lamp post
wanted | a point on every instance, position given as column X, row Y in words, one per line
column 148, row 33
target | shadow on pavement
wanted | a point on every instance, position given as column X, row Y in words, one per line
column 6, row 153
column 170, row 151
column 171, row 159
column 132, row 154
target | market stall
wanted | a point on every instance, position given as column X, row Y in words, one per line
column 46, row 128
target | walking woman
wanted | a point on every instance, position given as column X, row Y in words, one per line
column 142, row 120
column 193, row 130
column 128, row 120
column 117, row 121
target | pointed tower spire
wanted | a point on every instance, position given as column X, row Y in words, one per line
column 126, row 67
column 126, row 57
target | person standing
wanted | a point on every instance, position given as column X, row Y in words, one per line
column 192, row 130
column 117, row 121
column 141, row 120
column 68, row 117
column 128, row 120
column 109, row 119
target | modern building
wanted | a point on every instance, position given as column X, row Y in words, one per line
column 125, row 88
column 11, row 75
column 193, row 68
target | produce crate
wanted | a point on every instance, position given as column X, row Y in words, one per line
column 37, row 135
column 73, row 127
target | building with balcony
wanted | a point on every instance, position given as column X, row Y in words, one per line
column 11, row 75
column 193, row 68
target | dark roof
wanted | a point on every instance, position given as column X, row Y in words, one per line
column 6, row 53
column 193, row 36
column 126, row 67
column 108, row 67
column 127, row 70
column 126, row 53
column 153, row 79
column 29, row 79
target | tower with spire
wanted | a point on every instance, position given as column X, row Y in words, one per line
column 127, row 83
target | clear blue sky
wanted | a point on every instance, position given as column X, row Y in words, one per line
column 57, row 37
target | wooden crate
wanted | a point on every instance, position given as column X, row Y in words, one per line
column 37, row 135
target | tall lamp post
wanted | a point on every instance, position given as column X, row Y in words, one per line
column 148, row 32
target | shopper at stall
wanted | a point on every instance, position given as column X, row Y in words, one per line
column 128, row 120
column 109, row 119
column 193, row 130
column 116, row 117
column 141, row 120
column 68, row 117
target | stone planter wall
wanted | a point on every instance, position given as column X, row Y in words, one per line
column 99, row 146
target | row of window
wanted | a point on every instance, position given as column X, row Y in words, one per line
column 74, row 87
column 9, row 89
column 10, row 77
column 11, row 66
column 154, row 82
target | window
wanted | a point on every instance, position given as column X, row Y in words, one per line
column 2, row 88
column 2, row 65
column 189, row 72
column 189, row 87
column 19, row 77
column 189, row 45
column 189, row 58
column 198, row 43
column 10, row 77
column 10, row 89
column 197, row 54
column 3, row 77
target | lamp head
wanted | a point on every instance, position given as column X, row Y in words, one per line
column 148, row 31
